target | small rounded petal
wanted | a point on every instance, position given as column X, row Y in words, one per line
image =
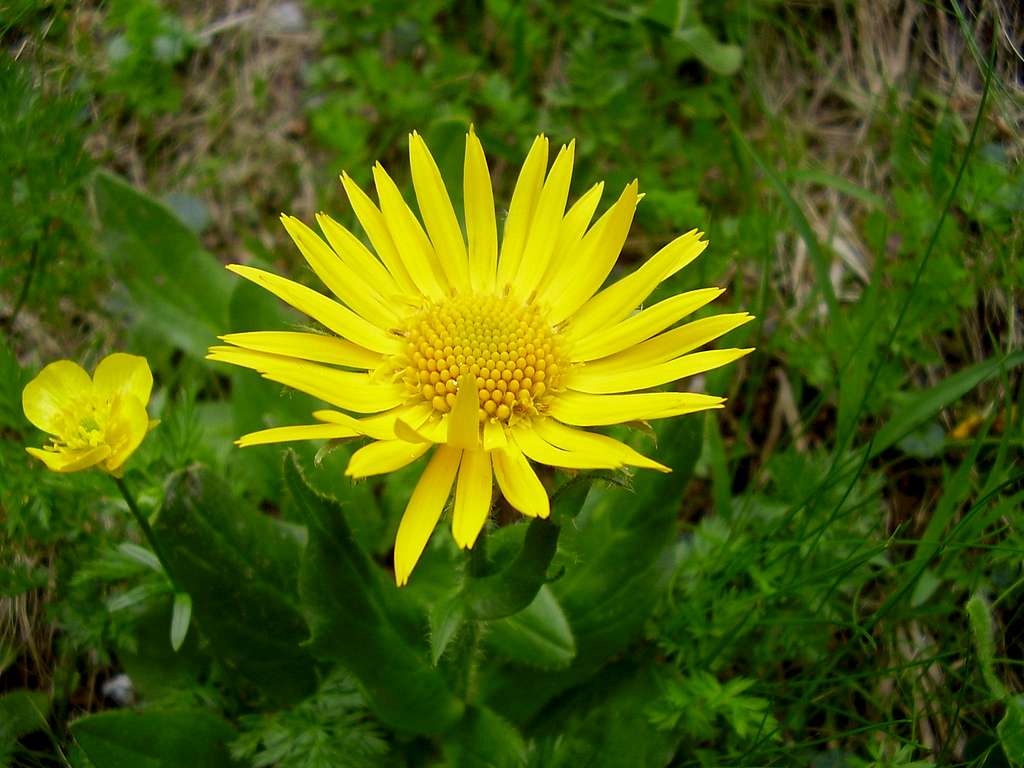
column 126, row 428
column 121, row 374
column 53, row 393
column 71, row 461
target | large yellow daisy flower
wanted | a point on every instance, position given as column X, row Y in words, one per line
column 491, row 356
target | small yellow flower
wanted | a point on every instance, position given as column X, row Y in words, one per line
column 96, row 421
column 496, row 356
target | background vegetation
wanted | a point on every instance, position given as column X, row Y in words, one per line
column 846, row 585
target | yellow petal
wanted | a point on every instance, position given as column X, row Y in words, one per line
column 128, row 424
column 380, row 426
column 329, row 313
column 642, row 325
column 519, row 483
column 316, row 347
column 123, row 375
column 596, row 410
column 571, row 232
column 670, row 344
column 546, row 224
column 424, row 510
column 372, row 219
column 520, row 211
column 618, row 300
column 343, row 282
column 412, row 243
column 297, row 432
column 464, row 421
column 342, row 389
column 571, row 439
column 71, row 461
column 594, row 257
column 351, row 250
column 472, row 497
column 438, row 214
column 481, row 229
column 543, row 452
column 494, row 435
column 52, row 393
column 384, row 456
column 582, row 379
column 353, row 391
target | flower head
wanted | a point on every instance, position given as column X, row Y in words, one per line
column 492, row 357
column 96, row 421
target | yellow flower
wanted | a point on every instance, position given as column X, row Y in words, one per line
column 496, row 356
column 96, row 421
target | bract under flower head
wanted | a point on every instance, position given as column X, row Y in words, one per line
column 491, row 356
column 97, row 421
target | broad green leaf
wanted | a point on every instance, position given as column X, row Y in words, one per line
column 352, row 614
column 154, row 739
column 177, row 289
column 607, row 724
column 21, row 713
column 240, row 569
column 154, row 667
column 538, row 636
column 617, row 559
column 484, row 740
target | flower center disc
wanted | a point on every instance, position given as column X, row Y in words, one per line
column 505, row 344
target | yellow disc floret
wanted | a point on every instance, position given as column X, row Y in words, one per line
column 506, row 345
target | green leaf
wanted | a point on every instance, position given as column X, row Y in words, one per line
column 513, row 588
column 354, row 618
column 980, row 616
column 926, row 403
column 140, row 555
column 617, row 560
column 607, row 724
column 181, row 615
column 156, row 669
column 720, row 58
column 1011, row 731
column 240, row 569
column 21, row 713
column 446, row 619
column 538, row 636
column 132, row 739
column 484, row 740
column 179, row 291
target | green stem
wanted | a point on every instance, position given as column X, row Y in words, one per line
column 25, row 286
column 475, row 568
column 147, row 530
column 477, row 565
